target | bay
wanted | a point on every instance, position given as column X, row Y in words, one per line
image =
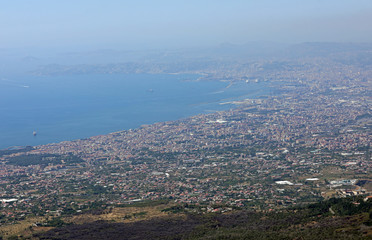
column 61, row 108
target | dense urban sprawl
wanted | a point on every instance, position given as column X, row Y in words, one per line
column 308, row 142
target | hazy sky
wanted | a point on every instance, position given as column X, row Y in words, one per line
column 138, row 24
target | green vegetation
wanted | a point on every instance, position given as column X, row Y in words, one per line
column 341, row 206
column 350, row 218
column 55, row 222
column 12, row 151
column 146, row 203
column 43, row 159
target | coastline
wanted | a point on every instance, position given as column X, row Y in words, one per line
column 181, row 105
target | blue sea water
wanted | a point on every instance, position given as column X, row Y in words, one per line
column 71, row 107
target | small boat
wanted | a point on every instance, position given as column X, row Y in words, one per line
column 34, row 133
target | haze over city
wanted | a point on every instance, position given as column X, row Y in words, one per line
column 134, row 25
column 186, row 119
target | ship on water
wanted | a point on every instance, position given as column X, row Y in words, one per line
column 34, row 133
